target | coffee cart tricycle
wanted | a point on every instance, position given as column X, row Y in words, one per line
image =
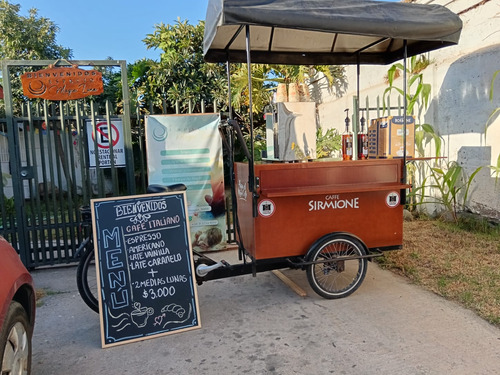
column 328, row 218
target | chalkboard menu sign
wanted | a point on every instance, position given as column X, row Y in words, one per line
column 145, row 267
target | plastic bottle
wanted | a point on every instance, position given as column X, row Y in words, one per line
column 347, row 140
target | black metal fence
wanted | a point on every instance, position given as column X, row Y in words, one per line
column 50, row 168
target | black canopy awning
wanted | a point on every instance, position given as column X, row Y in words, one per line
column 332, row 32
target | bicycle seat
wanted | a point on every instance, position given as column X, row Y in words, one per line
column 165, row 188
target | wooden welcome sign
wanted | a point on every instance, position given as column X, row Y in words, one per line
column 62, row 83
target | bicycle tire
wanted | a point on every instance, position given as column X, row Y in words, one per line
column 86, row 278
column 336, row 278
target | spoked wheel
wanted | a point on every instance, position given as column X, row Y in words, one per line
column 86, row 278
column 336, row 274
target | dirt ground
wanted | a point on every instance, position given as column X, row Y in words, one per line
column 458, row 265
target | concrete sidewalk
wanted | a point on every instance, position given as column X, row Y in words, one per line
column 260, row 326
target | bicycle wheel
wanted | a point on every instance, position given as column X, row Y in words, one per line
column 86, row 278
column 335, row 277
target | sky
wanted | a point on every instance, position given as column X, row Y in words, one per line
column 98, row 29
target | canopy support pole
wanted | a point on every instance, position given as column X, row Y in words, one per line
column 251, row 172
column 355, row 126
column 229, row 105
column 405, row 107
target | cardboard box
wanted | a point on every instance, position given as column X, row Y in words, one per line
column 373, row 139
column 385, row 137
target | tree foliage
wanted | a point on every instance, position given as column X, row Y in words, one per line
column 181, row 75
column 262, row 86
column 265, row 77
column 30, row 38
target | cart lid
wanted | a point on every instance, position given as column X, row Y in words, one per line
column 331, row 32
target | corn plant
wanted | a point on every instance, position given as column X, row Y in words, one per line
column 419, row 172
column 453, row 186
column 495, row 169
column 418, row 92
column 430, row 176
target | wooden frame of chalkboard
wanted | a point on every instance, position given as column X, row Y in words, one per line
column 144, row 266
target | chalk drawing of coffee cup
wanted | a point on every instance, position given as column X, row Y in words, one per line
column 140, row 315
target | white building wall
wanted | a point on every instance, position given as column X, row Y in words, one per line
column 459, row 109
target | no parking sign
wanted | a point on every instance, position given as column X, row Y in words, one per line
column 107, row 137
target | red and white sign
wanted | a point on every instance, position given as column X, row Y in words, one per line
column 107, row 138
column 103, row 136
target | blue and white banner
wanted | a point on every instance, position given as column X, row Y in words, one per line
column 187, row 149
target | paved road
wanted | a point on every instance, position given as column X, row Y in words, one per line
column 260, row 326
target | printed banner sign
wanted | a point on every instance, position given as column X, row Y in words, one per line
column 106, row 137
column 187, row 149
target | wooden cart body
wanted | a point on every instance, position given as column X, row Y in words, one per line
column 301, row 202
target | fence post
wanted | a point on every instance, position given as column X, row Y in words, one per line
column 127, row 129
column 355, row 127
column 367, row 107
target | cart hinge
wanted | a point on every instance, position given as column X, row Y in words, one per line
column 255, row 197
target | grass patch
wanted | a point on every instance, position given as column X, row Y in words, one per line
column 459, row 261
column 41, row 293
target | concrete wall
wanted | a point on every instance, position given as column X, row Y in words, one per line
column 459, row 109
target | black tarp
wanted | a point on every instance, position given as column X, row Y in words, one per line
column 333, row 32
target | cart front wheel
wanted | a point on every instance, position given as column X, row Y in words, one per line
column 336, row 274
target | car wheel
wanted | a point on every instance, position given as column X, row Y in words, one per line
column 15, row 342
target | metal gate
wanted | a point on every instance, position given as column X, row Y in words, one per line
column 50, row 165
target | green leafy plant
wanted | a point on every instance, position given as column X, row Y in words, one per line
column 10, row 207
column 430, row 176
column 417, row 98
column 265, row 78
column 425, row 134
column 259, row 143
column 181, row 76
column 496, row 169
column 327, row 143
column 5, row 178
column 419, row 172
column 453, row 186
column 299, row 154
column 418, row 92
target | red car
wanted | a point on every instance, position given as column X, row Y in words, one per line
column 17, row 312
